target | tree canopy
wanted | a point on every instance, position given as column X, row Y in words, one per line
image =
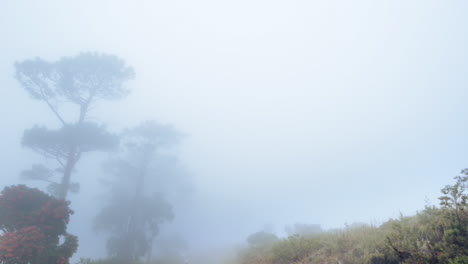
column 81, row 80
column 70, row 87
column 135, row 208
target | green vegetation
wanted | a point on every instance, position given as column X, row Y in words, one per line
column 434, row 235
column 33, row 224
column 71, row 88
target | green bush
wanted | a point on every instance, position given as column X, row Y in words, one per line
column 436, row 235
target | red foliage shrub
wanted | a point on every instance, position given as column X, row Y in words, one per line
column 22, row 246
column 33, row 222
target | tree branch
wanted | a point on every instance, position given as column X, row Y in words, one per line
column 52, row 107
column 59, row 161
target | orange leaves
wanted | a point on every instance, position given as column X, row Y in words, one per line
column 22, row 246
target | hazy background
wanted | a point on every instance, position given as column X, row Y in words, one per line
column 323, row 112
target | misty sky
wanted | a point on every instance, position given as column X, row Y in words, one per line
column 324, row 112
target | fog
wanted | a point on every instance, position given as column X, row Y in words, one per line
column 318, row 112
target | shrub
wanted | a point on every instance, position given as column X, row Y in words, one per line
column 33, row 223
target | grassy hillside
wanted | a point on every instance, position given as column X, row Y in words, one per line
column 434, row 235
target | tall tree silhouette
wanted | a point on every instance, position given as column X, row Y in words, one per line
column 70, row 88
column 134, row 212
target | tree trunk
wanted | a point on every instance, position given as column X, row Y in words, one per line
column 73, row 156
column 150, row 251
column 65, row 184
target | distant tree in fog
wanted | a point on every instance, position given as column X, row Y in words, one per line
column 70, row 88
column 170, row 249
column 303, row 229
column 261, row 239
column 133, row 213
column 132, row 223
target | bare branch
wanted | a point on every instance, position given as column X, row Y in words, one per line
column 52, row 107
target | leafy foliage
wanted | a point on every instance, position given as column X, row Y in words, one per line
column 437, row 235
column 56, row 144
column 86, row 136
column 81, row 79
column 33, row 223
